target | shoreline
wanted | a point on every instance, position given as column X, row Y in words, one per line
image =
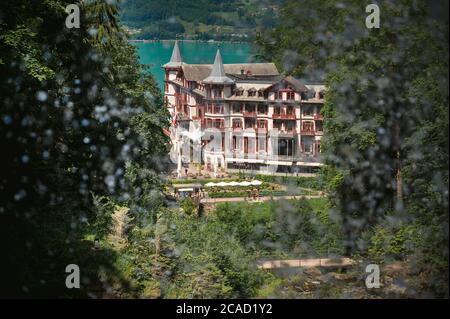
column 187, row 40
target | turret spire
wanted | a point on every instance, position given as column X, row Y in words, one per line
column 175, row 59
column 218, row 75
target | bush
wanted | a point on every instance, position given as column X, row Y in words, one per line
column 393, row 243
column 188, row 206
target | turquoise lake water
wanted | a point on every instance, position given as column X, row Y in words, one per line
column 158, row 53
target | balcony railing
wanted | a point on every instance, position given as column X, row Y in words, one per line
column 284, row 129
column 182, row 117
column 318, row 116
column 249, row 114
column 215, row 111
column 290, row 116
column 307, row 132
column 261, row 130
column 204, row 127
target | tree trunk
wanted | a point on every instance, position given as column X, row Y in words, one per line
column 399, row 190
column 399, row 180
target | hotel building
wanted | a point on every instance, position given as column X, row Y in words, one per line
column 258, row 119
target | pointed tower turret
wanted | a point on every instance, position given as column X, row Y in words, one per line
column 175, row 60
column 218, row 75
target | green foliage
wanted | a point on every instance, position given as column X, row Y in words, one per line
column 385, row 122
column 75, row 107
column 102, row 222
column 293, row 228
column 188, row 206
column 388, row 243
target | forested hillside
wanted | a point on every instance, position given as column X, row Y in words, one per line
column 220, row 20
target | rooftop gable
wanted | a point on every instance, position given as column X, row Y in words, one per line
column 199, row 72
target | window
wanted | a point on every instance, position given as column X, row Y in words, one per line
column 277, row 125
column 249, row 108
column 251, row 93
column 280, row 95
column 260, row 94
column 237, row 123
column 307, row 126
column 250, row 123
column 291, row 95
column 319, row 126
column 262, row 124
column 307, row 147
column 262, row 143
column 290, row 126
column 218, row 124
column 235, row 143
column 218, row 109
column 308, row 111
column 290, row 110
column 262, row 109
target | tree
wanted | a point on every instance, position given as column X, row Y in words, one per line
column 71, row 103
column 384, row 114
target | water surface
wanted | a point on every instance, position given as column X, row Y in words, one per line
column 158, row 53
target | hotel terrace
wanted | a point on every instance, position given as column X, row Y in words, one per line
column 258, row 118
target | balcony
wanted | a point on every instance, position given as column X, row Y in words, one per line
column 249, row 114
column 178, row 81
column 285, row 116
column 214, row 111
column 210, row 128
column 308, row 132
column 318, row 117
column 286, row 133
column 182, row 117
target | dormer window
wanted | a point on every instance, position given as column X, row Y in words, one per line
column 321, row 94
column 251, row 92
column 238, row 91
column 260, row 93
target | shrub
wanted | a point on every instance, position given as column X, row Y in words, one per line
column 188, row 206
